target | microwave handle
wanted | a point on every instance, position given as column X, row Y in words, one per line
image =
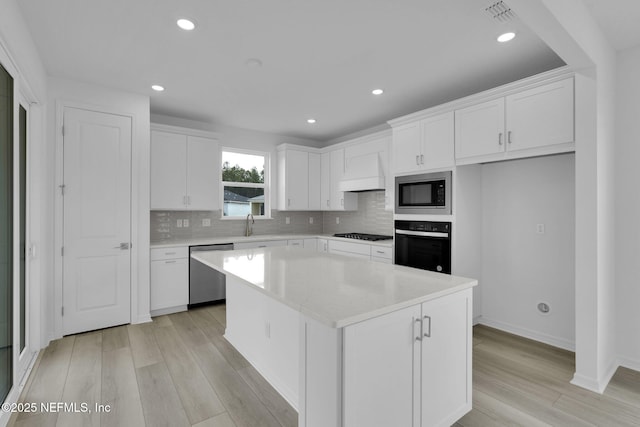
column 422, row 233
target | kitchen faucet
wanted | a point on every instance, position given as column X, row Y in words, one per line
column 249, row 229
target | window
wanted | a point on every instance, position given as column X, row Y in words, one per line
column 245, row 183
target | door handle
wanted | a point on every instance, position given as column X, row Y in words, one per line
column 417, row 159
column 419, row 337
column 509, row 137
column 500, row 138
column 422, row 159
column 428, row 334
column 123, row 246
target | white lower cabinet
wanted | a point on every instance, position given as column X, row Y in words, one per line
column 411, row 367
column 323, row 245
column 169, row 279
column 359, row 250
column 356, row 250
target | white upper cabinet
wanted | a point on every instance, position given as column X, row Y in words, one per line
column 423, row 144
column 540, row 116
column 185, row 172
column 203, row 173
column 480, row 129
column 168, row 170
column 532, row 122
column 406, row 148
column 298, row 179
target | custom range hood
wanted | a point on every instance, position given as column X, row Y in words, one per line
column 362, row 173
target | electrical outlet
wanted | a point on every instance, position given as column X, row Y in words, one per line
column 185, row 223
column 310, row 220
column 337, row 220
column 287, row 220
column 540, row 228
column 206, row 222
column 179, row 223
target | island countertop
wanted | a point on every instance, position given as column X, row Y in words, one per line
column 335, row 290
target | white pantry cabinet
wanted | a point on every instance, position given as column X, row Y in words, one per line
column 298, row 178
column 332, row 166
column 185, row 171
column 411, row 367
column 424, row 144
column 535, row 121
column 169, row 279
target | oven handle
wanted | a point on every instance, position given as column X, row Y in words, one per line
column 422, row 233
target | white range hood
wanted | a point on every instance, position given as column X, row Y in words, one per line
column 362, row 173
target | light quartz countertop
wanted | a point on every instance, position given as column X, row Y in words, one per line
column 260, row 238
column 333, row 289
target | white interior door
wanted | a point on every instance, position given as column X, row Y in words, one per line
column 97, row 220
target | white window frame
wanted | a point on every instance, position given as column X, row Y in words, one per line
column 266, row 185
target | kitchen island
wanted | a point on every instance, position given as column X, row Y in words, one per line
column 350, row 342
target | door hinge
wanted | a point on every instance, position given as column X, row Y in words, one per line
column 62, row 187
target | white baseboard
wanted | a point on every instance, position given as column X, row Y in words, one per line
column 143, row 319
column 169, row 310
column 595, row 385
column 527, row 333
column 629, row 363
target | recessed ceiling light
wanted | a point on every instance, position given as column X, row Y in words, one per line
column 157, row 88
column 311, row 121
column 377, row 91
column 502, row 38
column 186, row 24
column 253, row 63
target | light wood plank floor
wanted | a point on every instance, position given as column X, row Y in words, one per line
column 180, row 371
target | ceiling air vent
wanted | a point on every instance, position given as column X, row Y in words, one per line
column 500, row 11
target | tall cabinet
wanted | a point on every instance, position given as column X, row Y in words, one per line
column 185, row 169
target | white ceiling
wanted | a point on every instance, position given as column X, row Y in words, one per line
column 321, row 59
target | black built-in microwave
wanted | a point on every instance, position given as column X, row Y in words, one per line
column 427, row 193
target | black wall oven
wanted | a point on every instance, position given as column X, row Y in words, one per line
column 424, row 244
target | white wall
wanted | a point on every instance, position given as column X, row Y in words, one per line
column 628, row 207
column 71, row 93
column 520, row 266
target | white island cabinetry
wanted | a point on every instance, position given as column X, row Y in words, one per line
column 397, row 352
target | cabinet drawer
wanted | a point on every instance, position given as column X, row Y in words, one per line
column 296, row 242
column 355, row 248
column 261, row 244
column 382, row 252
column 169, row 253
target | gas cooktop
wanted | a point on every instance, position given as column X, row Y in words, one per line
column 363, row 236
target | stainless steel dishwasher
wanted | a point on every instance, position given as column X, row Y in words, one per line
column 205, row 283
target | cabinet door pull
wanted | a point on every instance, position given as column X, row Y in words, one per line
column 428, row 333
column 500, row 138
column 509, row 137
column 422, row 159
column 419, row 337
column 417, row 159
column 169, row 253
column 288, row 202
column 341, row 202
column 188, row 200
column 173, row 261
column 327, row 202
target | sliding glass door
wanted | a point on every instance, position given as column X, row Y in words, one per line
column 6, row 233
